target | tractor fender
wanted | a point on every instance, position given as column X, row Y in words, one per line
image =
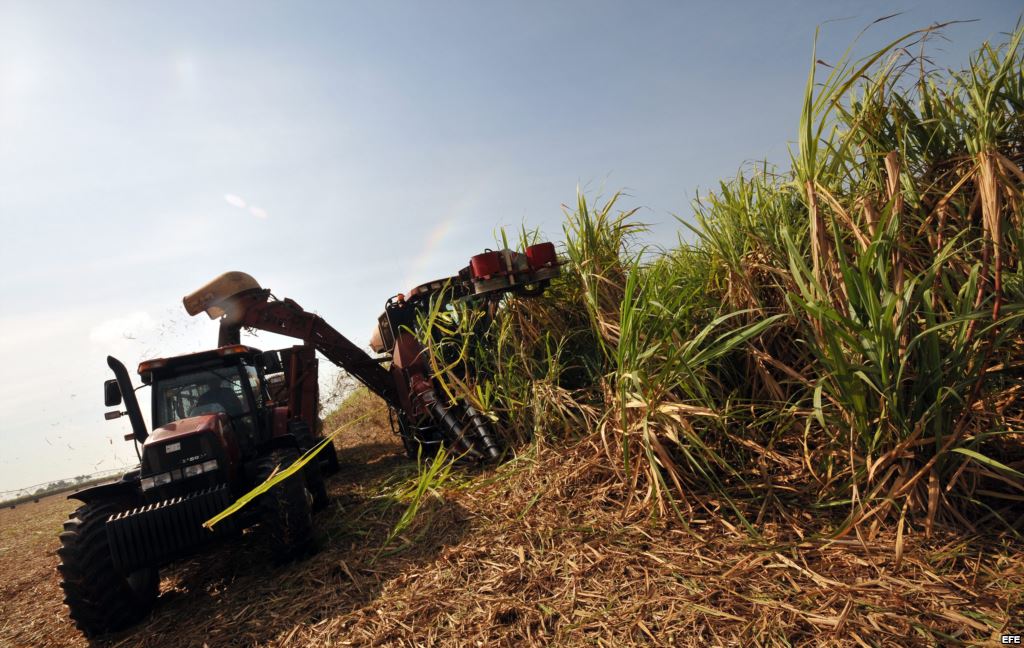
column 251, row 467
column 279, row 421
column 118, row 489
column 279, row 442
column 302, row 433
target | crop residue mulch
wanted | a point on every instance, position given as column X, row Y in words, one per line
column 31, row 612
column 540, row 556
column 551, row 561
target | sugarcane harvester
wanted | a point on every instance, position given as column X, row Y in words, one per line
column 427, row 418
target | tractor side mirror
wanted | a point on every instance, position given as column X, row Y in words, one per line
column 272, row 362
column 111, row 393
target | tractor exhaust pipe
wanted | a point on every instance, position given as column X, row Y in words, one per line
column 131, row 404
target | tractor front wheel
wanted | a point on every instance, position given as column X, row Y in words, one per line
column 100, row 598
column 285, row 510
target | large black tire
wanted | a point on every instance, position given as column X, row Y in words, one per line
column 286, row 521
column 313, row 473
column 330, row 455
column 316, row 469
column 100, row 599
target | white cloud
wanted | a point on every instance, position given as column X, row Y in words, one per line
column 234, row 201
column 240, row 203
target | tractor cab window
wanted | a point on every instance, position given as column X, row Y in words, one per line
column 203, row 392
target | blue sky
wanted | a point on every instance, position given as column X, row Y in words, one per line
column 341, row 152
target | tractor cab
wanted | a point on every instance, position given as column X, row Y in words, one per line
column 229, row 381
column 207, row 415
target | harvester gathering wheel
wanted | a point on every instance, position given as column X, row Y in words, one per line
column 285, row 510
column 101, row 599
column 416, row 446
column 417, row 450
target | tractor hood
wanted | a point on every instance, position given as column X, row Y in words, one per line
column 188, row 442
column 187, row 427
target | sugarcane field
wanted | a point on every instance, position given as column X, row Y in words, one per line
column 460, row 324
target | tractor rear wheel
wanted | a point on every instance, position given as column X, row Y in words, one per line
column 331, row 465
column 100, row 599
column 314, row 475
column 285, row 510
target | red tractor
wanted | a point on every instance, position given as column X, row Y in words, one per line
column 225, row 420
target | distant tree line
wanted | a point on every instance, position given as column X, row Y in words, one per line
column 30, row 493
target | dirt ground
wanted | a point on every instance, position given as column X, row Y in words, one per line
column 535, row 553
column 219, row 598
column 28, row 564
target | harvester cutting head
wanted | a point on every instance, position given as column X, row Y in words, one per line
column 506, row 270
column 488, row 276
column 428, row 417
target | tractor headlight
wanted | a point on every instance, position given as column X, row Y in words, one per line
column 156, row 480
column 178, row 473
column 199, row 469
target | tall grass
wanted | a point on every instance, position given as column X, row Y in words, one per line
column 844, row 335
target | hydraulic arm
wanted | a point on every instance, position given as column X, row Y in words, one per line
column 255, row 309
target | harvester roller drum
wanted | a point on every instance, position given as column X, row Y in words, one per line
column 486, row 441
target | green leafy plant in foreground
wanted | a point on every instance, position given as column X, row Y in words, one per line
column 434, row 473
column 845, row 334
